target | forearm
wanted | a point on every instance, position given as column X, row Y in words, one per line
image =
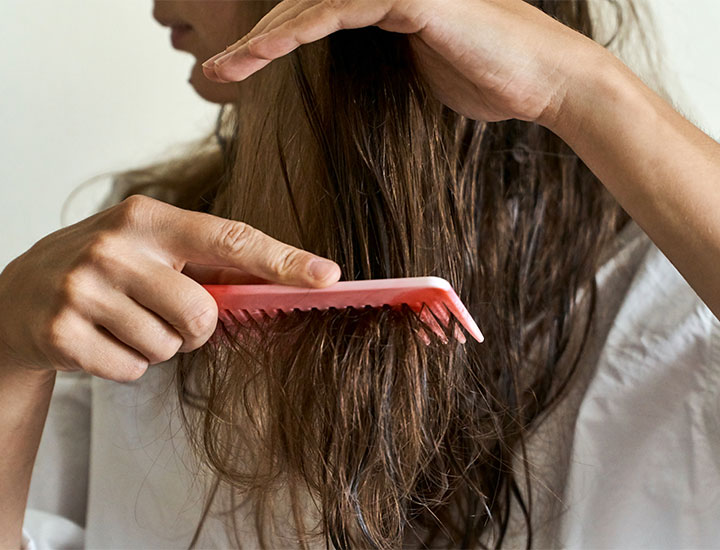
column 24, row 401
column 661, row 169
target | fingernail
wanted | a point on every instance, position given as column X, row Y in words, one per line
column 212, row 60
column 322, row 270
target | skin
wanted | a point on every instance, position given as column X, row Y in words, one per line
column 488, row 59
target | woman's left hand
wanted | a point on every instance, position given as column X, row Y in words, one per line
column 490, row 60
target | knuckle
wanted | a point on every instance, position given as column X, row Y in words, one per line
column 334, row 5
column 165, row 350
column 132, row 370
column 54, row 334
column 234, row 237
column 133, row 210
column 254, row 50
column 118, row 369
column 288, row 262
column 334, row 8
column 127, row 371
column 101, row 250
column 56, row 337
column 73, row 288
column 201, row 322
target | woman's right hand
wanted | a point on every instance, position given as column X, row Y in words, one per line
column 108, row 295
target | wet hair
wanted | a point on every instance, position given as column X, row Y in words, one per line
column 347, row 427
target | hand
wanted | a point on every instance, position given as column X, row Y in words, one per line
column 108, row 296
column 489, row 60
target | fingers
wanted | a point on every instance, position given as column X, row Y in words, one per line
column 179, row 301
column 107, row 357
column 178, row 236
column 205, row 239
column 298, row 23
column 107, row 295
column 138, row 328
column 153, row 310
column 278, row 15
column 75, row 343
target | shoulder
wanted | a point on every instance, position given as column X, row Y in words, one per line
column 647, row 428
column 660, row 317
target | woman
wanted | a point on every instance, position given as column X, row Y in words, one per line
column 345, row 427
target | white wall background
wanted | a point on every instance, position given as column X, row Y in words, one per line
column 86, row 87
column 91, row 86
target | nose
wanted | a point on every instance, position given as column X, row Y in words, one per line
column 156, row 12
column 164, row 13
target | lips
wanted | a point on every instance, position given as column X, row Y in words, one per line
column 179, row 29
column 178, row 34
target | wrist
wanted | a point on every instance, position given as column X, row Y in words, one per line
column 25, row 397
column 596, row 83
column 15, row 375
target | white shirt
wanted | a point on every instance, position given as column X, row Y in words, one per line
column 631, row 458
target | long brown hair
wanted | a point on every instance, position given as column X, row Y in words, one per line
column 348, row 422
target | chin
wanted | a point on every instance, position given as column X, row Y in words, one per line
column 213, row 92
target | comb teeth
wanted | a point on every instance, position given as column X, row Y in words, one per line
column 429, row 319
column 272, row 313
column 433, row 298
column 434, row 312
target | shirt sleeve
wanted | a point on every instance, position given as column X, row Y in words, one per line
column 44, row 531
column 27, row 543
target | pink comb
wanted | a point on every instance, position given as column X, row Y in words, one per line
column 258, row 301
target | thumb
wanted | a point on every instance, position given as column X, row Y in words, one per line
column 214, row 275
column 213, row 241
